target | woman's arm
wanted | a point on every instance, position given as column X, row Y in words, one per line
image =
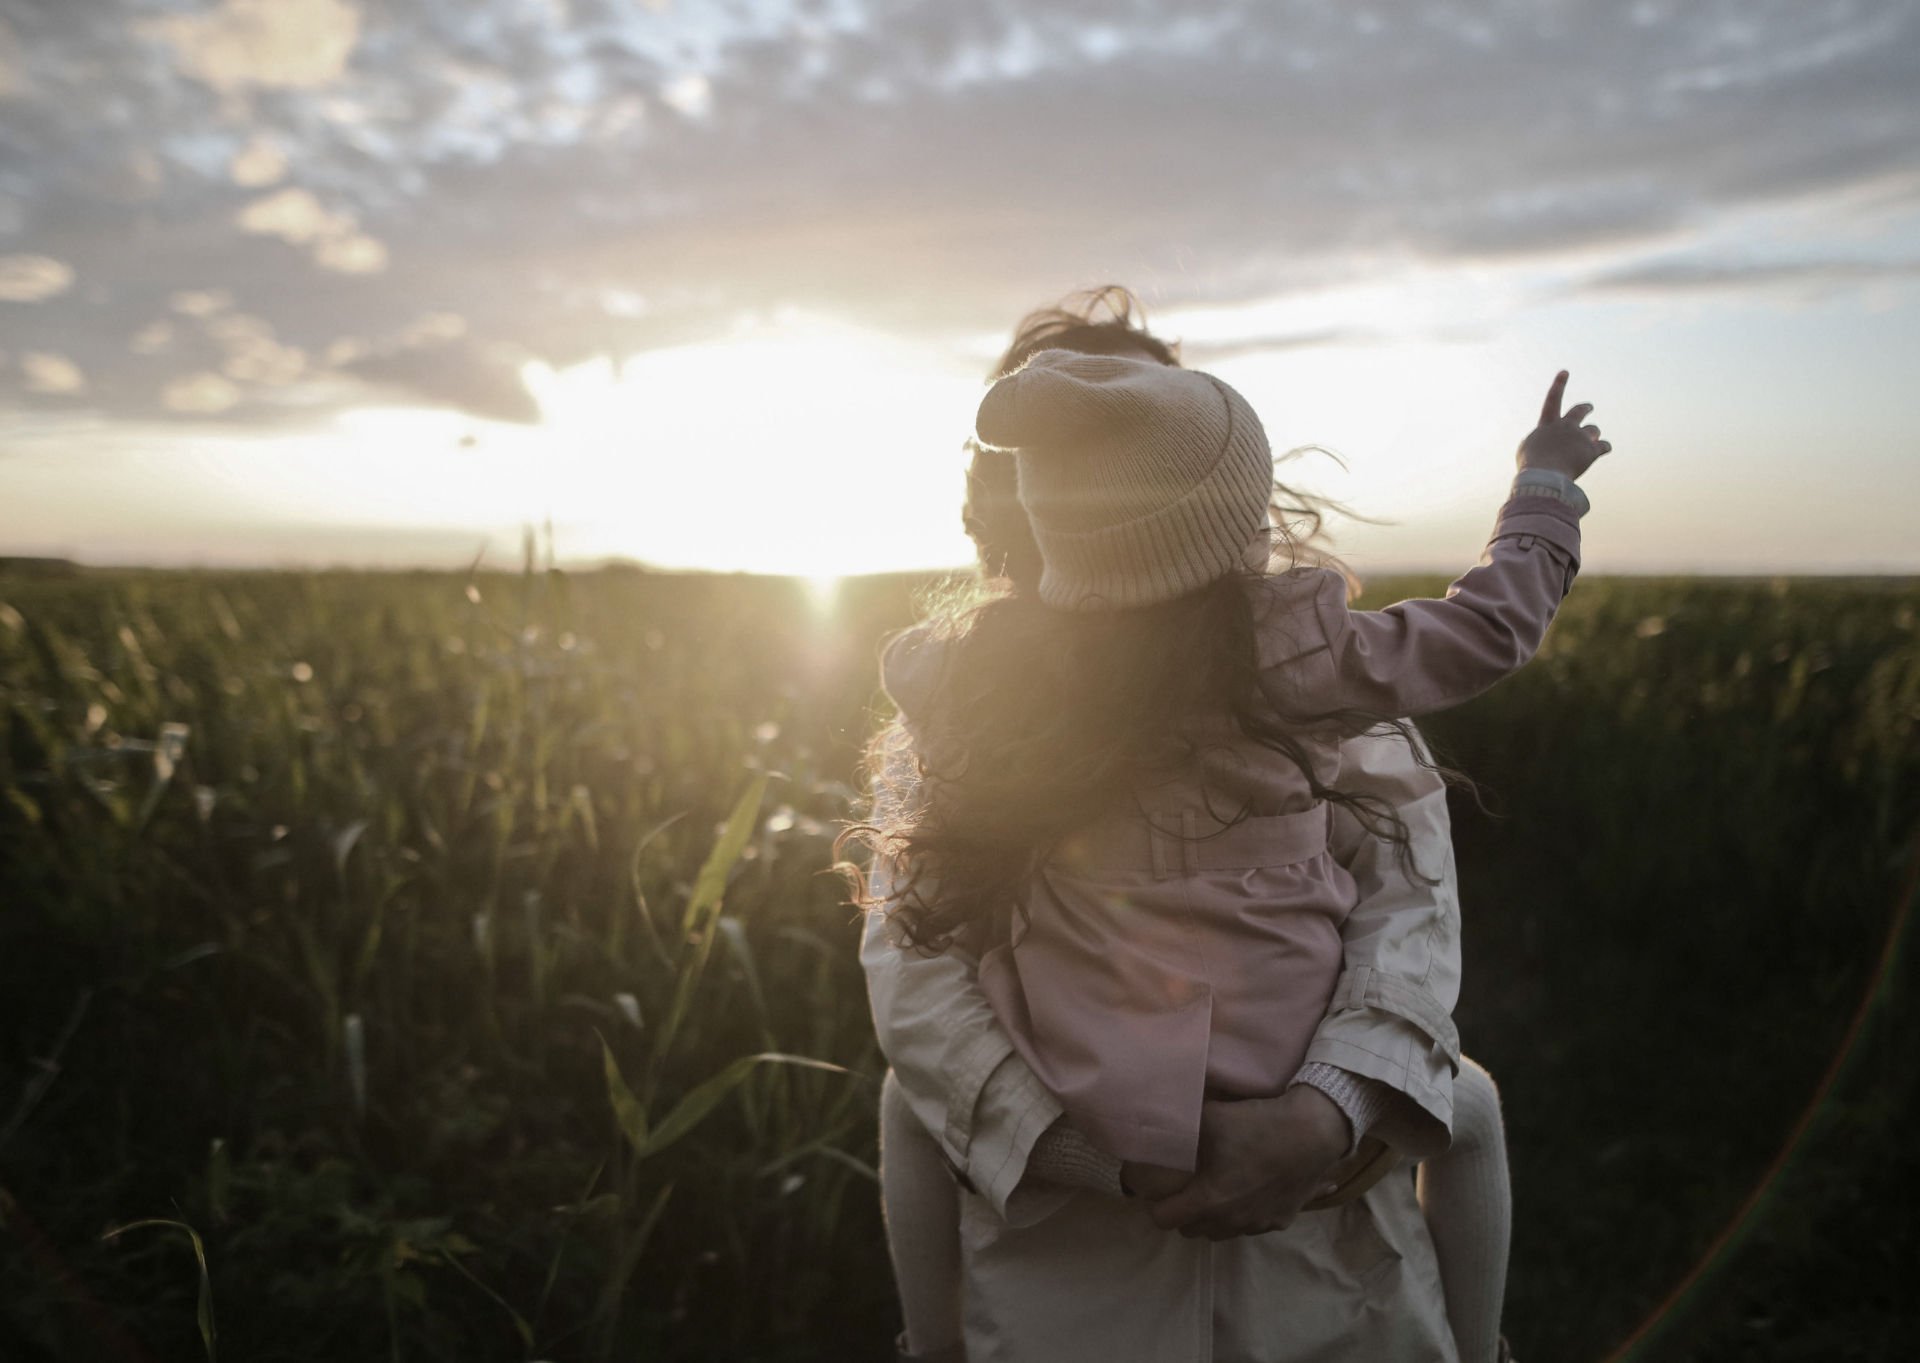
column 1390, row 1019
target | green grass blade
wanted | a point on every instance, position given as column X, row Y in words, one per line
column 627, row 1108
column 641, row 911
column 711, row 884
column 696, row 925
column 634, row 1246
column 692, row 1109
column 203, row 1313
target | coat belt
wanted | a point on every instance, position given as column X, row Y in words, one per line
column 1186, row 841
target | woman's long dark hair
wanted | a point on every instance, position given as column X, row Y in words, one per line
column 1041, row 718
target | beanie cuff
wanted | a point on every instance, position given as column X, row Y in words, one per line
column 1176, row 550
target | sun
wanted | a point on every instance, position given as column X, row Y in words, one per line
column 798, row 446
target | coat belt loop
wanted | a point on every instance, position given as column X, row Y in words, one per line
column 1188, row 842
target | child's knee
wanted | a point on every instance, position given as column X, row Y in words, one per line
column 1475, row 1079
column 1476, row 1106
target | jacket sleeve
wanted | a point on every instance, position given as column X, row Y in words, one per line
column 1425, row 655
column 1390, row 1018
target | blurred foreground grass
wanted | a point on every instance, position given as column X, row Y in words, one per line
column 372, row 928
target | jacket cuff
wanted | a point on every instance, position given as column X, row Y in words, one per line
column 1528, row 513
column 1387, row 1027
column 1418, row 1127
column 1361, row 1100
column 1552, row 483
column 1364, row 987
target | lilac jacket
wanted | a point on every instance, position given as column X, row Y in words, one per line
column 1170, row 958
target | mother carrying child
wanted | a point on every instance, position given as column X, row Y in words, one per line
column 1165, row 934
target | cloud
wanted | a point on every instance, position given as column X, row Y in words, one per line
column 296, row 216
column 252, row 354
column 596, row 178
column 353, row 253
column 288, row 44
column 468, row 377
column 293, row 215
column 13, row 76
column 51, row 374
column 1695, row 276
column 690, row 94
column 260, row 162
column 200, row 302
column 31, row 279
column 152, row 339
column 1214, row 352
column 201, row 394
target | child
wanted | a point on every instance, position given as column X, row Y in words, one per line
column 1107, row 763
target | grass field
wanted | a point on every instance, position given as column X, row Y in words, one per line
column 394, row 946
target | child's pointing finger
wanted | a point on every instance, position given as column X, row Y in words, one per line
column 1550, row 410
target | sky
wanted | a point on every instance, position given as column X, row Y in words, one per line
column 715, row 283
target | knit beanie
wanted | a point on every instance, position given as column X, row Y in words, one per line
column 1143, row 481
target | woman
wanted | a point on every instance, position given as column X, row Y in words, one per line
column 1058, row 1273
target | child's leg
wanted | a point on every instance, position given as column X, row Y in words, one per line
column 1469, row 1209
column 922, row 1210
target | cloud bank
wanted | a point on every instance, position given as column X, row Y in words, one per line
column 265, row 210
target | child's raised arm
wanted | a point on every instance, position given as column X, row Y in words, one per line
column 1319, row 658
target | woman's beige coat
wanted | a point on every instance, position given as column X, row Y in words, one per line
column 1055, row 1275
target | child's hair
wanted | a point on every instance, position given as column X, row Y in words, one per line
column 1041, row 718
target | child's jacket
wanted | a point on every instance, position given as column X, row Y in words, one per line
column 1171, row 957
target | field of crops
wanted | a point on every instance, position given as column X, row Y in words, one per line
column 383, row 960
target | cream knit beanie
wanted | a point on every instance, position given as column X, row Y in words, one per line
column 1143, row 481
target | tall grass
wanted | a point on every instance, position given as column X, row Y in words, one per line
column 440, row 951
column 454, row 959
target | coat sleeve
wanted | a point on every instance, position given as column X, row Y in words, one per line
column 1318, row 657
column 1390, row 1018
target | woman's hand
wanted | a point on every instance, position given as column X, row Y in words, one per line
column 1261, row 1160
column 1152, row 1181
column 1561, row 443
